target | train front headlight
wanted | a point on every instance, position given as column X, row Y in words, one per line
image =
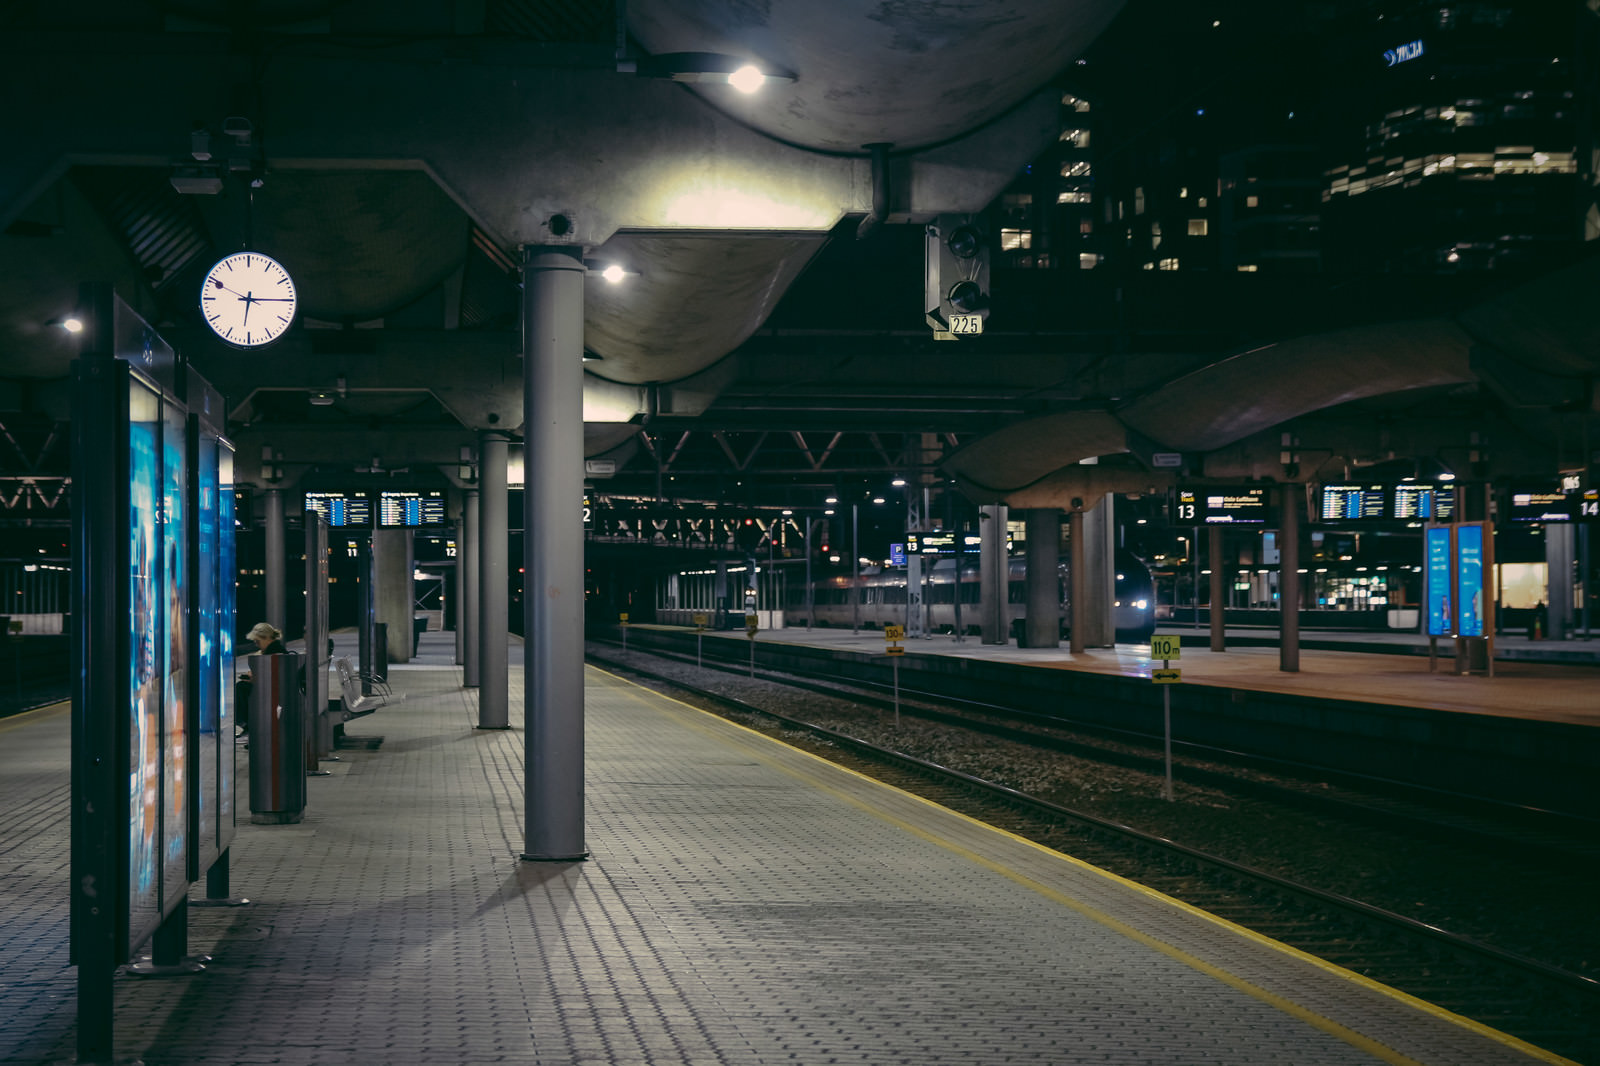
column 1141, row 604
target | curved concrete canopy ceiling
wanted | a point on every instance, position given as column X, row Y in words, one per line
column 911, row 74
column 696, row 298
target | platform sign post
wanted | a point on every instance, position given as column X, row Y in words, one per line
column 1166, row 647
column 699, row 620
column 752, row 623
column 622, row 619
column 893, row 635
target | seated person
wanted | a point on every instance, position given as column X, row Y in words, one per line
column 269, row 641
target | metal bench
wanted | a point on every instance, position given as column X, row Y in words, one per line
column 355, row 702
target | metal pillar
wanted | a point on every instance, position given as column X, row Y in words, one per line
column 461, row 628
column 1219, row 606
column 1044, row 581
column 1289, row 577
column 916, row 506
column 493, row 586
column 1560, row 553
column 1100, row 572
column 855, row 569
column 994, row 571
column 467, row 609
column 1077, row 572
column 275, row 578
column 552, row 363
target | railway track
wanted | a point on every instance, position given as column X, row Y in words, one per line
column 1543, row 1004
column 1506, row 832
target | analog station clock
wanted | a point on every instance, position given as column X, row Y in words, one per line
column 248, row 299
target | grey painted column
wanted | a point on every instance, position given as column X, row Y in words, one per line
column 994, row 571
column 467, row 610
column 1219, row 573
column 1044, row 582
column 461, row 648
column 552, row 362
column 1560, row 553
column 1289, row 504
column 493, row 587
column 276, row 579
column 1078, row 572
column 393, row 591
column 1100, row 551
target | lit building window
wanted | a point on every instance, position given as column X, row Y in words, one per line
column 1078, row 138
column 1200, row 201
column 1077, row 104
column 1248, row 268
column 1183, row 193
column 1138, row 200
column 1078, row 169
column 1197, row 227
column 1073, row 196
column 1169, row 264
column 1012, row 240
column 1086, row 226
column 1088, row 260
column 1252, row 201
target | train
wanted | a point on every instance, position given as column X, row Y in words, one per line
column 883, row 598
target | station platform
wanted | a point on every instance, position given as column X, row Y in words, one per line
column 744, row 902
column 1332, row 666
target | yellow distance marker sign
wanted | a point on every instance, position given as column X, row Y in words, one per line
column 1166, row 677
column 1164, row 646
column 699, row 620
column 622, row 616
column 752, row 623
column 894, row 649
column 894, row 632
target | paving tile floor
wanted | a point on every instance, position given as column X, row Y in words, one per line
column 744, row 904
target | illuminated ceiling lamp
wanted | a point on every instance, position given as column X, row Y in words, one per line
column 707, row 68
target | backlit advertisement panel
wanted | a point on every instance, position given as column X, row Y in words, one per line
column 208, row 686
column 144, row 674
column 1436, row 574
column 175, row 607
column 1469, row 579
column 226, row 610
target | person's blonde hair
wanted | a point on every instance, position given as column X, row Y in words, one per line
column 263, row 629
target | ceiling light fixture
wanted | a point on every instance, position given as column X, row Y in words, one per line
column 707, row 68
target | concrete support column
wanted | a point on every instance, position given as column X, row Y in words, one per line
column 1044, row 577
column 1560, row 553
column 493, row 586
column 1077, row 571
column 1100, row 571
column 392, row 565
column 1289, row 504
column 455, row 596
column 1219, row 574
column 467, row 609
column 994, row 572
column 276, row 577
column 552, row 362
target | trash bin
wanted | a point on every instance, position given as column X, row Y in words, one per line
column 380, row 651
column 277, row 741
column 419, row 626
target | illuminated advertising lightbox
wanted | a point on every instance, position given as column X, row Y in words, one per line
column 411, row 508
column 145, row 661
column 1436, row 581
column 1469, row 579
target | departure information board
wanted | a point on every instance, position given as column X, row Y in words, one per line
column 1345, row 503
column 411, row 509
column 1542, row 505
column 341, row 508
column 1416, row 501
column 1247, row 505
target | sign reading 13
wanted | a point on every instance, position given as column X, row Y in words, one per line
column 248, row 299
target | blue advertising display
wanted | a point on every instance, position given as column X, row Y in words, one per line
column 223, row 633
column 1436, row 581
column 208, row 689
column 1469, row 579
column 144, row 650
column 175, row 768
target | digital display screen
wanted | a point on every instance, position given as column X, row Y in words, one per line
column 1250, row 506
column 1436, row 578
column 411, row 509
column 146, row 660
column 1415, row 501
column 1586, row 505
column 341, row 508
column 1544, row 505
column 1469, row 579
column 1346, row 503
column 941, row 543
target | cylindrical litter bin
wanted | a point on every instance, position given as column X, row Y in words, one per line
column 419, row 626
column 277, row 740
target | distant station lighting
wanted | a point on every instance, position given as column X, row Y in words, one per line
column 899, row 482
column 72, row 324
column 613, row 273
column 747, row 79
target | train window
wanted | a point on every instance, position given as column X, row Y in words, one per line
column 894, row 594
column 941, row 593
column 1017, row 592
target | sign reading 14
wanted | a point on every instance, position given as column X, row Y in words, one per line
column 248, row 299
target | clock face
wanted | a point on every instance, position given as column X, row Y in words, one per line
column 248, row 299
